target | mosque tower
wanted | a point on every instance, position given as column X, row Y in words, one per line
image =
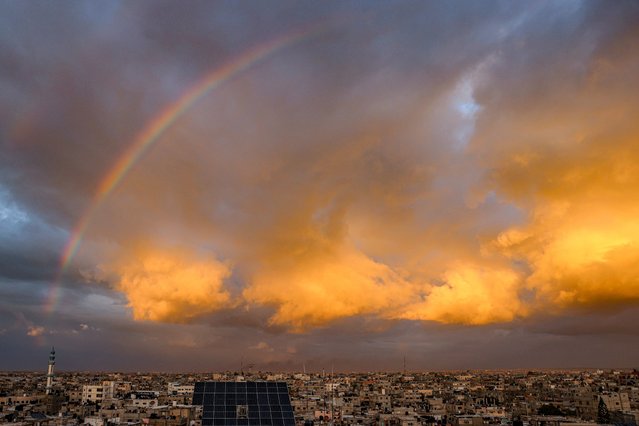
column 50, row 370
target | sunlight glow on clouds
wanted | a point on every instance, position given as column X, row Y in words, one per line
column 471, row 295
column 313, row 291
column 35, row 331
column 457, row 164
column 172, row 286
column 346, row 225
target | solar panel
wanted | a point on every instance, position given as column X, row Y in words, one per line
column 244, row 403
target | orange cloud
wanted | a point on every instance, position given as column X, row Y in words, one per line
column 471, row 294
column 35, row 331
column 172, row 286
column 335, row 285
column 579, row 256
column 373, row 202
column 565, row 150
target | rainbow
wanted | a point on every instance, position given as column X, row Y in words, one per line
column 152, row 131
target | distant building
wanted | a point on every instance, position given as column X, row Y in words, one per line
column 179, row 389
column 92, row 393
column 468, row 421
column 616, row 401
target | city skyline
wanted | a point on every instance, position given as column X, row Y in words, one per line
column 459, row 398
column 188, row 187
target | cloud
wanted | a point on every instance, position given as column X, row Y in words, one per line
column 579, row 260
column 310, row 290
column 172, row 285
column 184, row 342
column 560, row 143
column 471, row 294
column 459, row 165
column 35, row 331
column 262, row 346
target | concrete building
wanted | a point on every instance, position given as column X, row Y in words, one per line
column 616, row 401
column 176, row 388
column 92, row 393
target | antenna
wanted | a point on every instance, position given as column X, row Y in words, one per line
column 324, row 389
column 306, row 398
column 332, row 393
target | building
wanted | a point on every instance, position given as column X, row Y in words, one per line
column 176, row 388
column 92, row 393
column 616, row 401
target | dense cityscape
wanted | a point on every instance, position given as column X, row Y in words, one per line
column 459, row 398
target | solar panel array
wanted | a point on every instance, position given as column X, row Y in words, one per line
column 244, row 403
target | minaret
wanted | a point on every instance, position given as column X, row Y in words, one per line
column 50, row 370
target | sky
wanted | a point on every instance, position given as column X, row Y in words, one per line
column 197, row 186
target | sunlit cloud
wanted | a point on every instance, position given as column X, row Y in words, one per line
column 441, row 164
column 172, row 285
column 308, row 290
column 262, row 346
column 35, row 331
column 470, row 294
